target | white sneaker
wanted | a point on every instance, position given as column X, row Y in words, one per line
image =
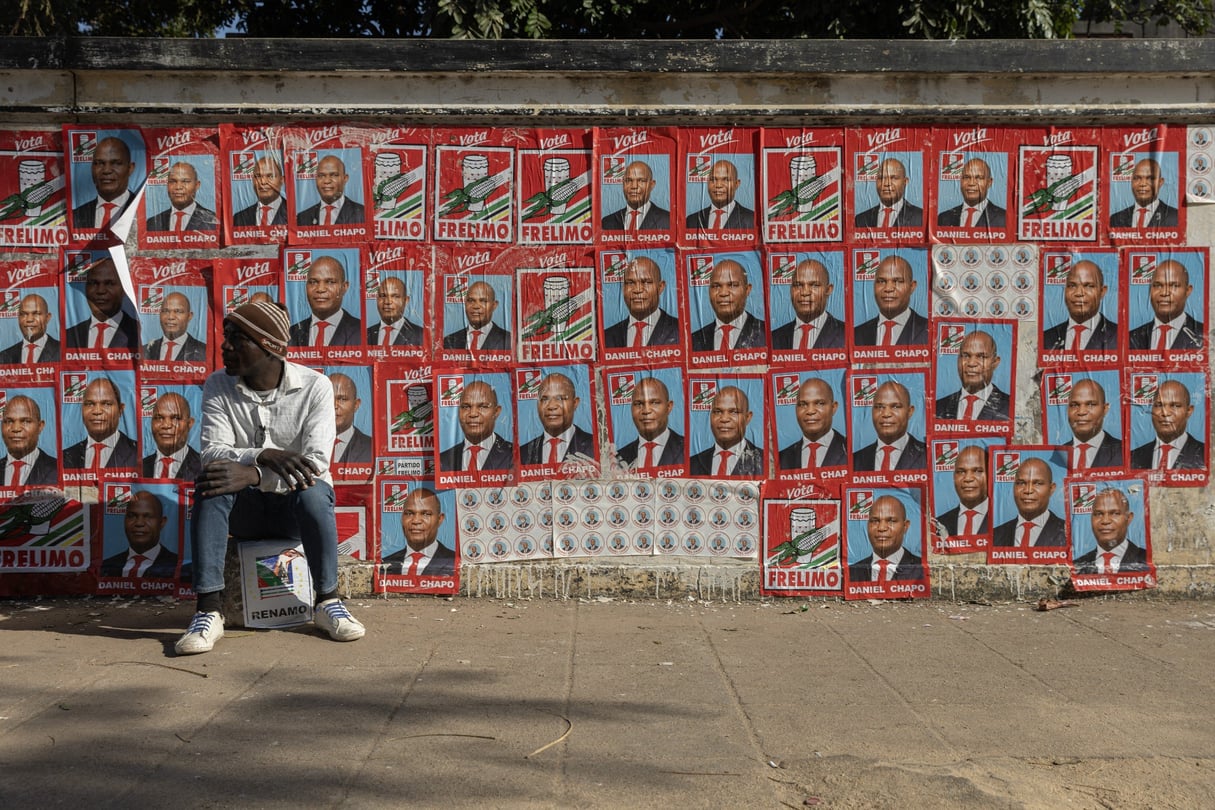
column 333, row 617
column 205, row 629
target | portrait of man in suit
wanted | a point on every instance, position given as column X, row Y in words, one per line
column 976, row 210
column 1086, row 328
column 482, row 333
column 421, row 517
column 647, row 323
column 820, row 445
column 656, row 444
column 1149, row 211
column 1111, row 519
column 639, row 212
column 35, row 346
column 184, row 212
column 177, row 345
column 733, row 326
column 334, row 207
column 1171, row 328
column 723, row 212
column 144, row 557
column 107, row 326
column 270, row 208
column 894, row 210
column 21, row 426
column 481, row 448
column 887, row 530
column 972, row 515
column 896, row 323
column 1035, row 524
column 329, row 324
column 813, row 327
column 394, row 329
column 979, row 399
column 895, row 448
column 732, row 454
column 1091, row 446
column 561, row 438
column 105, row 446
column 352, row 446
column 1174, row 448
column 111, row 171
column 171, row 426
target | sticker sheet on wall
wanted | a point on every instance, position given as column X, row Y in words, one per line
column 398, row 162
column 706, row 518
column 330, row 188
column 972, row 168
column 1111, row 535
column 985, row 281
column 637, row 172
column 1145, row 173
column 886, row 542
column 107, row 169
column 33, row 206
column 555, row 184
column 505, row 524
column 474, row 186
column 1200, row 165
column 137, row 535
column 182, row 204
column 802, row 178
column 30, row 325
column 961, row 495
column 420, row 547
column 803, row 542
column 1027, row 489
column 254, row 186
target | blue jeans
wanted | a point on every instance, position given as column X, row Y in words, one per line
column 305, row 515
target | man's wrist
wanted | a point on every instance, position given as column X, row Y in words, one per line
column 258, row 470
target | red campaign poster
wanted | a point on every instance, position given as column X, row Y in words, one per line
column 637, row 172
column 474, row 301
column 403, row 396
column 136, row 531
column 419, row 536
column 106, row 169
column 802, row 182
column 411, row 466
column 1082, row 297
column 355, row 520
column 726, row 433
column 1083, row 413
column 33, row 207
column 725, row 323
column 30, row 430
column 397, row 289
column 974, row 377
column 1059, row 190
column 809, row 429
column 330, row 190
column 1170, row 418
column 174, row 298
column 961, row 495
column 323, row 291
column 1167, row 306
column 353, row 456
column 802, row 541
column 1028, row 515
column 718, row 186
column 807, row 308
column 558, row 431
column 1111, row 535
column 972, row 169
column 889, row 300
column 887, row 426
column 99, row 424
column 1144, row 179
column 31, row 330
column 238, row 281
column 254, row 186
column 474, row 185
column 647, row 420
column 398, row 162
column 475, row 424
column 44, row 539
column 555, row 170
column 888, row 184
column 170, row 418
column 182, row 204
column 639, row 306
column 104, row 328
column 555, row 297
column 887, row 544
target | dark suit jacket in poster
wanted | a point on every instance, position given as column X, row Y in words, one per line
column 165, row 566
column 994, row 409
column 351, row 213
column 442, row 563
column 408, row 334
column 1165, row 216
column 953, row 523
column 1105, row 336
column 498, row 339
column 349, row 332
column 125, row 454
column 1192, row 456
column 656, row 219
column 359, row 450
column 740, row 217
column 910, row 567
column 909, row 216
column 993, row 216
column 193, row 350
column 914, row 456
column 750, row 462
column 1191, row 336
column 666, row 333
column 203, row 219
column 191, row 466
column 126, row 336
column 750, row 335
column 85, row 214
column 1053, row 535
column 534, row 451
column 837, row 453
column 44, row 471
column 15, row 354
column 1109, row 454
column 672, row 453
column 831, row 336
column 915, row 332
column 500, row 457
column 247, row 217
column 1135, row 559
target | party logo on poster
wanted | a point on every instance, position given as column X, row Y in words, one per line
column 700, row 269
column 949, row 338
column 1083, row 496
column 947, row 456
column 298, row 262
column 808, row 538
column 865, row 264
column 859, row 503
column 73, row 384
column 803, row 187
column 117, row 496
column 1143, row 266
column 786, row 387
column 151, row 298
column 1007, row 462
column 474, row 192
column 527, row 381
column 621, row 388
column 411, row 425
column 864, row 389
column 276, row 573
column 557, row 313
column 781, row 267
column 701, row 394
column 148, row 395
column 451, row 387
column 1144, row 388
column 43, row 534
column 613, row 263
column 1058, row 388
column 612, row 169
column 1056, row 266
column 83, row 144
column 398, row 190
column 554, row 188
column 243, row 164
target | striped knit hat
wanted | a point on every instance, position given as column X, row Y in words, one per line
column 266, row 323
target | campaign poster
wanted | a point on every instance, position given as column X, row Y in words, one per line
column 802, row 181
column 276, row 585
column 255, row 194
column 330, row 191
column 182, row 203
column 887, row 544
column 323, row 293
column 961, row 494
column 806, row 306
column 476, row 428
column 726, row 426
column 397, row 288
column 408, row 466
column 1081, row 305
column 398, row 163
column 888, row 183
column 706, row 519
column 404, row 397
column 138, row 538
column 718, row 184
column 972, row 168
column 29, row 426
column 354, row 514
column 639, row 300
column 1060, row 192
column 726, row 323
column 33, row 208
column 985, row 281
column 1027, row 492
column 1083, row 413
column 556, row 309
column 555, row 171
column 636, row 169
column 30, row 325
column 887, row 426
column 99, row 425
column 1111, row 535
column 809, row 426
column 974, row 378
column 889, row 304
column 801, row 528
column 646, row 420
column 353, row 456
column 235, row 282
column 106, row 171
column 104, row 322
column 419, row 537
column 1200, row 165
column 476, row 309
column 1170, row 420
column 170, row 418
column 558, row 432
column 43, row 532
column 175, row 317
column 474, row 186
column 1145, row 179
column 507, row 524
column 1168, row 305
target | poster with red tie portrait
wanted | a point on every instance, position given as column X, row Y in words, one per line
column 726, row 436
column 30, row 326
column 637, row 170
column 886, row 425
column 1081, row 303
column 1144, row 180
column 353, row 456
column 170, row 418
column 182, row 204
column 1029, row 525
column 802, row 182
column 1168, row 305
column 104, row 329
column 802, row 541
column 718, row 183
column 403, row 398
column 1083, row 412
column 331, row 192
column 1060, row 192
column 474, row 301
column 239, row 281
column 254, row 187
column 725, row 324
column 397, row 289
column 887, row 545
column 323, row 291
column 809, row 428
column 474, row 185
column 558, row 434
column 136, row 532
column 33, row 207
column 639, row 300
column 476, row 428
column 106, row 170
column 30, row 430
column 889, row 303
column 555, row 173
column 175, row 318
column 972, row 169
column 806, row 306
column 646, row 420
column 419, row 531
column 99, row 420
column 1169, row 422
column 961, row 495
column 398, row 162
column 556, row 309
column 1111, row 535
column 974, row 376
column 888, row 184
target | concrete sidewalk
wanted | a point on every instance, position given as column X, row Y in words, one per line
column 490, row 703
